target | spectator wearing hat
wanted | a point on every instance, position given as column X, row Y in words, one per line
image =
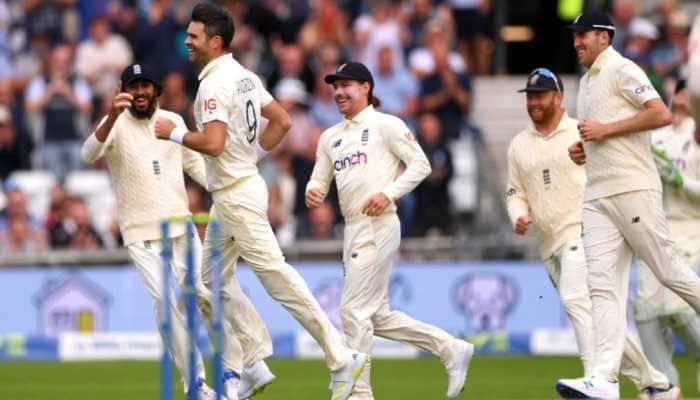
column 622, row 205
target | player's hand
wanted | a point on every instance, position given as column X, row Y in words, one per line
column 577, row 154
column 314, row 197
column 522, row 224
column 375, row 205
column 163, row 128
column 592, row 131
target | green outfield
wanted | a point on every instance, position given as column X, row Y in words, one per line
column 422, row 379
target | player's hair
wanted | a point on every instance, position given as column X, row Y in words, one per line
column 373, row 100
column 216, row 20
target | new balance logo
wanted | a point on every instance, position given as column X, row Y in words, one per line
column 635, row 220
column 337, row 143
column 588, row 384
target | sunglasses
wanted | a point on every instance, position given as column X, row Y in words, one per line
column 547, row 74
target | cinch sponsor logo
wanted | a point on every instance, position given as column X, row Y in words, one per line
column 350, row 161
column 643, row 89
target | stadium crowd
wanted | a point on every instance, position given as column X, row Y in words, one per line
column 60, row 62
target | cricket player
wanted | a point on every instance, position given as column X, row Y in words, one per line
column 229, row 106
column 362, row 153
column 149, row 186
column 622, row 210
column 546, row 189
column 657, row 311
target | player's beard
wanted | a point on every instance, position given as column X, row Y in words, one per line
column 547, row 112
column 146, row 112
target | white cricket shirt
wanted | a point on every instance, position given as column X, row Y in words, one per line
column 230, row 93
column 146, row 174
column 363, row 155
column 613, row 89
column 544, row 183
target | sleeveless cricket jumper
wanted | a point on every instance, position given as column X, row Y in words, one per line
column 232, row 94
column 622, row 211
column 363, row 156
column 544, row 183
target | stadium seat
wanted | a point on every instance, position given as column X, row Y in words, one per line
column 96, row 188
column 464, row 186
column 36, row 185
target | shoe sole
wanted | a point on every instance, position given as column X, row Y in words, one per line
column 257, row 389
column 344, row 390
column 567, row 392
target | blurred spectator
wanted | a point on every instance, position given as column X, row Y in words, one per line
column 446, row 93
column 15, row 207
column 471, row 20
column 281, row 19
column 328, row 58
column 29, row 60
column 422, row 59
column 327, row 23
column 160, row 36
column 58, row 103
column 175, row 98
column 248, row 47
column 321, row 224
column 292, row 96
column 396, row 88
column 19, row 237
column 56, row 19
column 421, row 13
column 279, row 177
column 623, row 12
column 323, row 108
column 291, row 63
column 432, row 197
column 57, row 207
column 125, row 21
column 100, row 60
column 379, row 29
column 642, row 35
column 13, row 150
column 75, row 231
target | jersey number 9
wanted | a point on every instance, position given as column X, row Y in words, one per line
column 251, row 120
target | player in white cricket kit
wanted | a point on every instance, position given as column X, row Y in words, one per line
column 622, row 212
column 657, row 311
column 228, row 109
column 546, row 189
column 149, row 186
column 362, row 153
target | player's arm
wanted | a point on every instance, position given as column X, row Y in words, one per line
column 95, row 145
column 402, row 144
column 278, row 125
column 636, row 88
column 516, row 198
column 317, row 188
column 210, row 141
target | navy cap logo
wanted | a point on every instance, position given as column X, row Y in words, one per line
column 137, row 69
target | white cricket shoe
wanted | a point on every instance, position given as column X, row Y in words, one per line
column 589, row 387
column 672, row 393
column 344, row 379
column 457, row 367
column 232, row 384
column 254, row 379
column 204, row 392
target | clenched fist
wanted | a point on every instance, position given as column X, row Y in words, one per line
column 163, row 128
column 577, row 153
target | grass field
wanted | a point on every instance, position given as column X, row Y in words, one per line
column 422, row 379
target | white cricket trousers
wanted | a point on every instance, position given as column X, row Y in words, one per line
column 370, row 247
column 246, row 233
column 568, row 271
column 657, row 310
column 147, row 259
column 614, row 229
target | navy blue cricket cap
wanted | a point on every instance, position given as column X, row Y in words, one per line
column 591, row 20
column 355, row 71
column 140, row 72
column 543, row 80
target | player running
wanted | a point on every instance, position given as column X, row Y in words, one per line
column 362, row 153
column 229, row 106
